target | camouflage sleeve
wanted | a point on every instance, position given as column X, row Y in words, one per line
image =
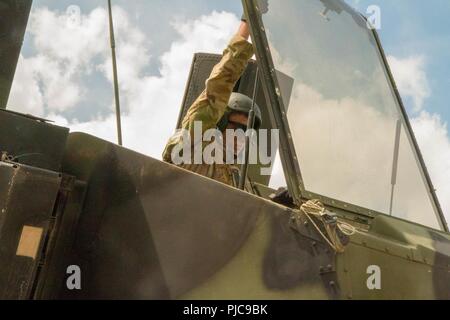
column 211, row 104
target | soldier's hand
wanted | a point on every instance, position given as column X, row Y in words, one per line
column 263, row 6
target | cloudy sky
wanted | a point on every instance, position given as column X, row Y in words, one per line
column 64, row 71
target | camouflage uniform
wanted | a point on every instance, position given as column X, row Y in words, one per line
column 211, row 105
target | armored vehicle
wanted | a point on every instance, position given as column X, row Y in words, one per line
column 360, row 218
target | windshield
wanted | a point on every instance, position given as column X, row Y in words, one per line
column 348, row 131
column 64, row 72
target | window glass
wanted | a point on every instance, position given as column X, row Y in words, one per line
column 346, row 124
column 64, row 72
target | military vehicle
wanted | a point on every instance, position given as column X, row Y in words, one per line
column 134, row 227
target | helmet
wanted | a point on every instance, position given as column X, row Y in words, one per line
column 240, row 103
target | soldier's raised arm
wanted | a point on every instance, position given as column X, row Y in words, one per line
column 227, row 72
column 211, row 104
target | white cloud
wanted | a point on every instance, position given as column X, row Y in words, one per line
column 154, row 101
column 26, row 95
column 64, row 53
column 431, row 132
column 411, row 79
column 67, row 53
column 131, row 47
column 60, row 91
column 74, row 44
column 433, row 138
column 346, row 147
column 41, row 85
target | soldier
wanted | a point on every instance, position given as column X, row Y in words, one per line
column 219, row 107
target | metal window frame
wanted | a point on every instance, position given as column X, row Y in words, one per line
column 410, row 134
column 278, row 116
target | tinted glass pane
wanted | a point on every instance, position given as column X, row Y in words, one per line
column 343, row 114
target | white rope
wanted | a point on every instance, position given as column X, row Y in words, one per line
column 315, row 208
column 346, row 228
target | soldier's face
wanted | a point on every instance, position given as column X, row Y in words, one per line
column 237, row 121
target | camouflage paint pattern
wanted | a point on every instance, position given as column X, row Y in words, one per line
column 149, row 230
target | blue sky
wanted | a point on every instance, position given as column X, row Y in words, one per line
column 409, row 27
column 64, row 72
column 416, row 27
